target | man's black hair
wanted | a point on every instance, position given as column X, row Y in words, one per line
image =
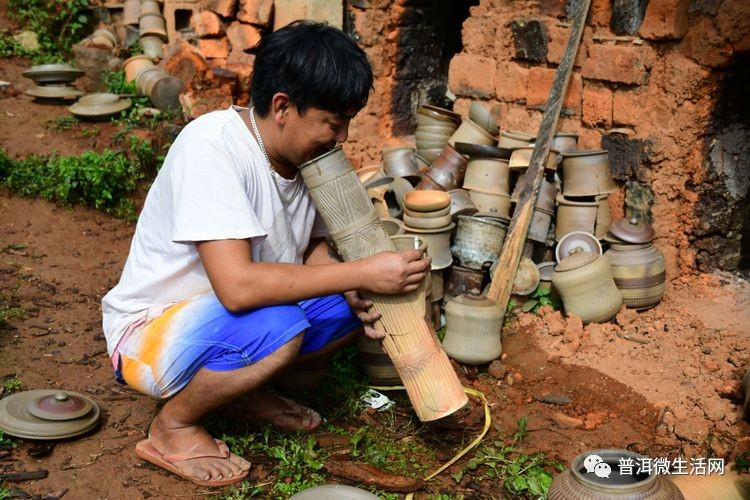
column 316, row 65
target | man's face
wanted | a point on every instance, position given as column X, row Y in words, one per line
column 313, row 133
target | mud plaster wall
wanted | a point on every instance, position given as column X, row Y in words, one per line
column 645, row 86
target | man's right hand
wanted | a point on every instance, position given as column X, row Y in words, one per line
column 395, row 272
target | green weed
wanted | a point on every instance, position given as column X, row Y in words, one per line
column 239, row 491
column 62, row 123
column 116, row 83
column 5, row 493
column 300, row 465
column 99, row 180
column 12, row 384
column 541, row 297
column 57, row 24
column 6, row 442
column 9, row 312
column 405, row 456
column 522, row 475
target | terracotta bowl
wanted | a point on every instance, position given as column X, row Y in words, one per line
column 426, row 201
column 428, row 222
column 427, row 215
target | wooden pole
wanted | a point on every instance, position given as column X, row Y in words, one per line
column 510, row 256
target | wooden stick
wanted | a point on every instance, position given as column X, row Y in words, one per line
column 510, row 256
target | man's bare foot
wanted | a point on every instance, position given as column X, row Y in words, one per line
column 280, row 411
column 193, row 454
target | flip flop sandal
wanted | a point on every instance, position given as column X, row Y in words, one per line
column 309, row 419
column 146, row 451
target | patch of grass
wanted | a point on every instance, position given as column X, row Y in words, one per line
column 58, row 25
column 406, row 456
column 9, row 312
column 239, row 492
column 521, row 475
column 62, row 123
column 6, row 442
column 116, row 83
column 99, row 180
column 5, row 493
column 12, row 384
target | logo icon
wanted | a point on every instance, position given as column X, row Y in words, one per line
column 602, row 470
column 591, row 461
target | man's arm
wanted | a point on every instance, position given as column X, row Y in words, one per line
column 241, row 284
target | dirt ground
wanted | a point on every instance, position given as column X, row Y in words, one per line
column 663, row 382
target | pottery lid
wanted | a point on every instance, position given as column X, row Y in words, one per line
column 576, row 260
column 99, row 105
column 577, row 241
column 482, row 150
column 632, row 230
column 474, row 299
column 546, row 269
column 58, row 72
column 527, row 277
column 47, row 414
column 54, row 92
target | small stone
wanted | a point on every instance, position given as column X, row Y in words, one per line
column 497, row 370
column 566, row 421
column 509, row 379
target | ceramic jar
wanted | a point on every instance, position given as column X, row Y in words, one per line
column 438, row 241
column 487, row 174
column 580, row 482
column 472, row 329
column 478, row 241
column 586, row 173
column 576, row 216
column 587, row 287
column 639, row 273
column 493, row 203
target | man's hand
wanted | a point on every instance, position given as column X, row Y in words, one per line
column 361, row 308
column 395, row 272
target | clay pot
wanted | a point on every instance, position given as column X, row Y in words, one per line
column 373, row 176
column 385, row 202
column 461, row 203
column 401, row 162
column 577, row 241
column 479, row 115
column 586, row 173
column 603, row 218
column 165, row 93
column 134, row 65
column 420, row 295
column 492, row 203
column 577, row 483
column 488, row 174
column 153, row 46
column 478, row 241
column 429, row 154
column 437, row 281
column 427, row 184
column 541, row 220
column 422, row 164
column 513, row 139
column 472, row 329
column 545, row 275
column 575, row 216
column 587, row 287
column 153, row 24
column 564, row 142
column 392, row 226
column 728, row 486
column 472, row 133
column 150, row 7
column 375, row 362
column 104, row 38
column 438, row 114
column 426, row 201
column 520, row 158
column 545, row 199
column 427, row 222
column 448, row 169
column 131, row 12
column 438, row 241
column 631, row 231
column 526, row 279
column 461, row 280
column 427, row 215
column 639, row 273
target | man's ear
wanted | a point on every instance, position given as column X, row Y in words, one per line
column 280, row 104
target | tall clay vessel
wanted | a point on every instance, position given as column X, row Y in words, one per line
column 410, row 342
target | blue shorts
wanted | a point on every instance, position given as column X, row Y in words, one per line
column 160, row 357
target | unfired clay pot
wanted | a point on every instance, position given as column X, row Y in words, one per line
column 511, row 139
column 472, row 133
column 488, row 174
column 478, row 241
column 494, row 203
column 586, row 173
column 587, row 287
column 472, row 329
column 639, row 272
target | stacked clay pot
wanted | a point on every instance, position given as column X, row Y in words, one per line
column 637, row 265
column 435, row 126
column 446, row 172
column 53, row 83
column 427, row 214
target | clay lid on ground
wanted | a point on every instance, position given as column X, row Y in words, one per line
column 52, row 73
column 632, row 230
column 47, row 414
column 576, row 260
column 577, row 241
column 54, row 92
column 100, row 105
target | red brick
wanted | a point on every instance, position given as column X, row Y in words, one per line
column 244, row 74
column 196, row 103
column 558, row 40
column 184, row 61
column 510, row 82
column 601, row 12
column 626, row 107
column 255, row 12
column 478, row 35
column 214, row 48
column 224, row 8
column 540, row 83
column 369, row 26
column 206, row 24
column 471, row 75
column 552, row 8
column 618, row 63
column 238, row 56
column 243, row 36
column 597, row 106
column 665, row 20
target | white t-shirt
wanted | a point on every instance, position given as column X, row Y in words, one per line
column 215, row 184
